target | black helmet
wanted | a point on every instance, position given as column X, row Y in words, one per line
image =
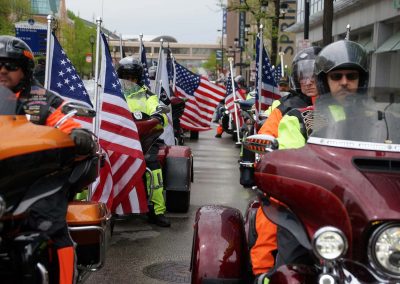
column 15, row 49
column 239, row 79
column 130, row 67
column 303, row 66
column 343, row 54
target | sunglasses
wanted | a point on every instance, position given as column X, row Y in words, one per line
column 10, row 66
column 349, row 76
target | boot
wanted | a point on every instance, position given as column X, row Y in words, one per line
column 160, row 220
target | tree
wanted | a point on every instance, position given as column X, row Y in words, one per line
column 262, row 13
column 75, row 41
column 327, row 22
column 11, row 12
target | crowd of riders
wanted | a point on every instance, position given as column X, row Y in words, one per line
column 336, row 70
column 24, row 77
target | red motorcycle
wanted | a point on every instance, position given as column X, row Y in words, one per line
column 338, row 196
column 176, row 162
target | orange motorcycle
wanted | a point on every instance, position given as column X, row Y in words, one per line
column 36, row 162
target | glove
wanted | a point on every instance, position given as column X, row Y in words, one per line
column 159, row 117
column 84, row 143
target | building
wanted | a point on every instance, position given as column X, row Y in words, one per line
column 187, row 54
column 242, row 29
column 374, row 24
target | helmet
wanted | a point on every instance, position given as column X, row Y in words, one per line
column 130, row 67
column 343, row 54
column 239, row 79
column 17, row 50
column 303, row 66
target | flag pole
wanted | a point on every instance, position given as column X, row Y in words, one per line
column 157, row 89
column 50, row 19
column 96, row 124
column 174, row 78
column 282, row 65
column 141, row 44
column 260, row 64
column 121, row 52
column 230, row 59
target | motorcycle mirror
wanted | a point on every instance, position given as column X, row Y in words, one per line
column 261, row 143
column 79, row 109
column 162, row 109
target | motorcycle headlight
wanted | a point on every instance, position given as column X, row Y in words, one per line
column 384, row 249
column 227, row 112
column 329, row 243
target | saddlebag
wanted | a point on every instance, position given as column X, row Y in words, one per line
column 89, row 226
column 178, row 177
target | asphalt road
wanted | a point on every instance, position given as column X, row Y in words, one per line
column 144, row 253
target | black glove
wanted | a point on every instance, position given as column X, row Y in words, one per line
column 84, row 143
column 159, row 117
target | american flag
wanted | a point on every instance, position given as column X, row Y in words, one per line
column 115, row 138
column 203, row 96
column 119, row 136
column 269, row 87
column 170, row 65
column 229, row 100
column 278, row 73
column 143, row 60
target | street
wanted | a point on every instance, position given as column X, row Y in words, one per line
column 144, row 253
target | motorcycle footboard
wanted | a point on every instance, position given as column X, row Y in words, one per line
column 89, row 226
column 178, row 178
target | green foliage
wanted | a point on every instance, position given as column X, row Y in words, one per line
column 11, row 12
column 211, row 62
column 76, row 43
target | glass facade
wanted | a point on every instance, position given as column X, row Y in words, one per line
column 45, row 7
column 315, row 7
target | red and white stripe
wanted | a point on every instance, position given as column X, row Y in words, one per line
column 199, row 109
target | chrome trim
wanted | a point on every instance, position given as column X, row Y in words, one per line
column 102, row 242
column 247, row 164
column 373, row 262
column 354, row 144
column 43, row 273
column 325, row 229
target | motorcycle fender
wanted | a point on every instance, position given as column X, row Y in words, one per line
column 178, row 169
column 178, row 172
column 219, row 250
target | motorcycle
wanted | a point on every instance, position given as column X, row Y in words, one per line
column 178, row 107
column 35, row 162
column 337, row 197
column 247, row 157
column 176, row 161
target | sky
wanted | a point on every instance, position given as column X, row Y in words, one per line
column 189, row 21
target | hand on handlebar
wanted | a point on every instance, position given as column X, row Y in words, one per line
column 84, row 142
column 159, row 117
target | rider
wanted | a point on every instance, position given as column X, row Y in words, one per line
column 242, row 90
column 43, row 107
column 304, row 91
column 140, row 99
column 340, row 68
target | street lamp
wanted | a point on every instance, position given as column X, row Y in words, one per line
column 91, row 40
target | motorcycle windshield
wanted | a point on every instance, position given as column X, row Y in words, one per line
column 8, row 102
column 368, row 120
